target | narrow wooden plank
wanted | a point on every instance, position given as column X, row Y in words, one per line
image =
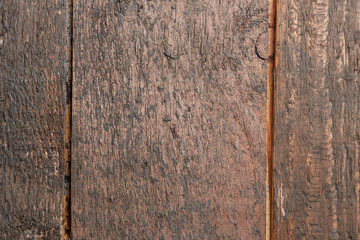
column 33, row 71
column 273, row 37
column 316, row 178
column 169, row 120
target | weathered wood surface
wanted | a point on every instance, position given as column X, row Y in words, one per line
column 316, row 178
column 169, row 120
column 33, row 56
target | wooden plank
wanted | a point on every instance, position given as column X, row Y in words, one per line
column 316, row 175
column 169, row 120
column 33, row 71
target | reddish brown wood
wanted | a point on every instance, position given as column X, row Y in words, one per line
column 316, row 173
column 33, row 72
column 169, row 120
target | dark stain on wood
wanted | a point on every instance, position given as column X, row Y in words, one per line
column 33, row 67
column 316, row 163
column 169, row 120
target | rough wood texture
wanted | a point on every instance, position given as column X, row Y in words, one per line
column 317, row 132
column 169, row 120
column 33, row 70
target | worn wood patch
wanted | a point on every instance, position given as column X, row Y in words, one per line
column 33, row 71
column 316, row 163
column 169, row 120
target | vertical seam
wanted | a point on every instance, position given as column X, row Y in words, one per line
column 68, row 125
column 274, row 6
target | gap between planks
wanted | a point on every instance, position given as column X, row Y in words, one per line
column 68, row 127
column 274, row 9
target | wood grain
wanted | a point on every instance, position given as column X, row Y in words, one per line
column 169, row 120
column 33, row 72
column 316, row 161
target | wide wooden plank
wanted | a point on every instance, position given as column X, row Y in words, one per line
column 169, row 119
column 33, row 72
column 316, row 161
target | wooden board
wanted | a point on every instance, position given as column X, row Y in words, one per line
column 317, row 131
column 169, row 120
column 33, row 72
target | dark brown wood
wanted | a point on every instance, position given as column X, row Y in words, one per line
column 316, row 162
column 169, row 120
column 33, row 72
